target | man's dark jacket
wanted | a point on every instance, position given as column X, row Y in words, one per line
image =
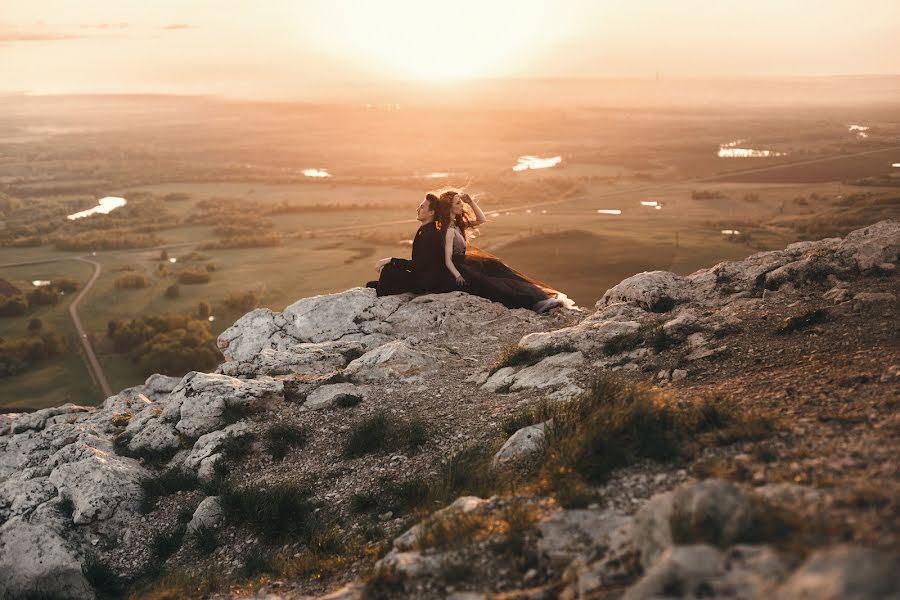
column 425, row 273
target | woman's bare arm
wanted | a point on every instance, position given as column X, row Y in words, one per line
column 448, row 256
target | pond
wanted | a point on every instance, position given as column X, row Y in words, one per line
column 733, row 150
column 529, row 162
column 104, row 207
column 859, row 130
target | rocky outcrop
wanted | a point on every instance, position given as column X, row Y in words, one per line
column 70, row 477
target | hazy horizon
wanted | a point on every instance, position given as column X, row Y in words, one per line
column 314, row 49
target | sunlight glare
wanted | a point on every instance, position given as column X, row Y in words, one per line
column 438, row 41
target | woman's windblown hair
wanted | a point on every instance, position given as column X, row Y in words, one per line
column 444, row 215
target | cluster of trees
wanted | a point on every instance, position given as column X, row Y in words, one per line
column 195, row 275
column 16, row 305
column 168, row 344
column 707, row 195
column 132, row 281
column 260, row 240
column 110, row 239
column 245, row 300
column 17, row 355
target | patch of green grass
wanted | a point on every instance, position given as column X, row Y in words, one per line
column 275, row 512
column 654, row 336
column 165, row 483
column 206, row 539
column 525, row 417
column 383, row 432
column 515, row 355
column 466, row 473
column 256, row 560
column 391, row 495
column 282, row 437
column 617, row 422
column 347, row 400
column 236, row 447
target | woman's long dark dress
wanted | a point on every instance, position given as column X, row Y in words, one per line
column 487, row 276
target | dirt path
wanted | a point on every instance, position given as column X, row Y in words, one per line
column 96, row 369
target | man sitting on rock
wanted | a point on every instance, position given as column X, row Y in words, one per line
column 426, row 272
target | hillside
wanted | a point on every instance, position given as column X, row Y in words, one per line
column 732, row 433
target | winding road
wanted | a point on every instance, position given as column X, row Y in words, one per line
column 97, row 370
column 99, row 375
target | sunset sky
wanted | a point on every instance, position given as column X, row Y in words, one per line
column 298, row 48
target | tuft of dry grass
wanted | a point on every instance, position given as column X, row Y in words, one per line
column 617, row 422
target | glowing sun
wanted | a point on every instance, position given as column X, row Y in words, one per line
column 421, row 39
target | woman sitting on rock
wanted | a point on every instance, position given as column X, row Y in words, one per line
column 481, row 273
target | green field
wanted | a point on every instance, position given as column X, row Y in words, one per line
column 543, row 222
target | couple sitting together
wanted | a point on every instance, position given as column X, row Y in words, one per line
column 443, row 261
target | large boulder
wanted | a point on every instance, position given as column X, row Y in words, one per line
column 98, row 484
column 255, row 331
column 522, row 445
column 333, row 394
column 37, row 561
column 46, row 416
column 396, row 359
column 872, row 246
column 579, row 533
column 844, row 573
column 655, row 291
column 307, row 359
column 206, row 401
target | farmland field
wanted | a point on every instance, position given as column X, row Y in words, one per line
column 200, row 175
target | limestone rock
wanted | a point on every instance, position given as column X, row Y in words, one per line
column 870, row 246
column 521, row 445
column 553, row 371
column 20, row 496
column 456, row 313
column 500, row 379
column 40, row 418
column 306, row 359
column 207, row 449
column 397, row 359
column 149, row 432
column 204, row 399
column 464, row 504
column 568, row 534
column 98, row 484
column 685, row 570
column 651, row 533
column 332, row 316
column 712, row 511
column 656, row 291
column 328, row 395
column 844, row 573
column 34, row 557
column 257, row 330
column 864, row 298
column 209, row 514
column 157, row 386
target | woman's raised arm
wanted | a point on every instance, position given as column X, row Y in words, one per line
column 479, row 214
